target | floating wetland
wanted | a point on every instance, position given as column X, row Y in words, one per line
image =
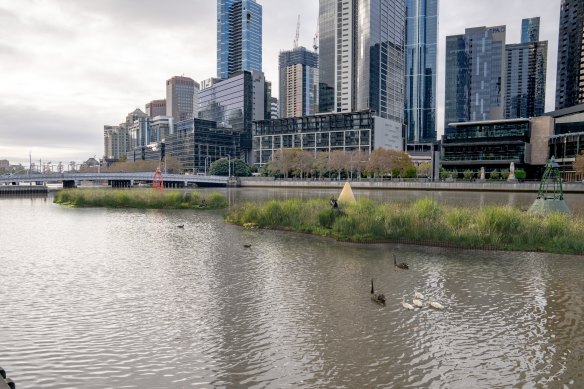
column 422, row 222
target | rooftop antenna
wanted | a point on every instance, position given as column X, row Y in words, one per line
column 297, row 33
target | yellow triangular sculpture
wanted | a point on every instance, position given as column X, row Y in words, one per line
column 347, row 196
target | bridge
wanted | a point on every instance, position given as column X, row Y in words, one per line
column 71, row 180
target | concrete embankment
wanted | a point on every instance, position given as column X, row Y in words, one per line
column 23, row 189
column 408, row 185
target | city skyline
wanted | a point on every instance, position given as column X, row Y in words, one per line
column 68, row 69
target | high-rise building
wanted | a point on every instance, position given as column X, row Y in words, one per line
column 182, row 98
column 570, row 78
column 234, row 103
column 239, row 37
column 421, row 70
column 326, row 54
column 298, row 83
column 274, row 108
column 475, row 77
column 525, row 81
column 366, row 41
column 156, row 108
column 530, row 30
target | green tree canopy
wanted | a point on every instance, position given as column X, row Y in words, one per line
column 238, row 168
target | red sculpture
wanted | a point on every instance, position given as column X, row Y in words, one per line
column 157, row 181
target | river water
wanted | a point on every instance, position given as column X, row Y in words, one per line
column 97, row 298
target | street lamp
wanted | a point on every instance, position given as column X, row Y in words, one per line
column 229, row 164
column 207, row 158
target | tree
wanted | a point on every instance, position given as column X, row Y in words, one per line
column 320, row 164
column 337, row 162
column 468, row 174
column 238, row 168
column 424, row 169
column 579, row 163
column 495, row 175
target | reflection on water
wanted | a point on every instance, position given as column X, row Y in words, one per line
column 93, row 298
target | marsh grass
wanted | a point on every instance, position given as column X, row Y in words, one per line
column 140, row 199
column 503, row 228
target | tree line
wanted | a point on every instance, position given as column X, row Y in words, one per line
column 304, row 164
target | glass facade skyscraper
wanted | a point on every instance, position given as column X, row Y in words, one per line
column 526, row 65
column 570, row 78
column 326, row 54
column 362, row 43
column 298, row 83
column 239, row 37
column 530, row 30
column 421, row 71
column 475, row 76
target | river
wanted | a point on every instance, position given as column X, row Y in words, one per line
column 98, row 298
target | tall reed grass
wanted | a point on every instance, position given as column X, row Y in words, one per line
column 140, row 198
column 424, row 220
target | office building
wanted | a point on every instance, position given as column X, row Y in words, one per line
column 567, row 141
column 298, row 82
column 182, row 98
column 421, row 70
column 156, row 108
column 325, row 133
column 239, row 37
column 326, row 54
column 570, row 77
column 362, row 57
column 475, row 76
column 234, row 103
column 209, row 82
column 197, row 143
column 530, row 30
column 525, row 79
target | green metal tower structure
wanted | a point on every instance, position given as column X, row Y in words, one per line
column 550, row 197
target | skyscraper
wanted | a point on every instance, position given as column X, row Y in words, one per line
column 530, row 30
column 298, row 83
column 475, row 76
column 182, row 98
column 368, row 56
column 326, row 54
column 421, row 71
column 156, row 108
column 526, row 65
column 570, row 78
column 239, row 37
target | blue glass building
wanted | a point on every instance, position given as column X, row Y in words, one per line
column 475, row 77
column 530, row 30
column 525, row 80
column 570, row 77
column 421, row 70
column 239, row 37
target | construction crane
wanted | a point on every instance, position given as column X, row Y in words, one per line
column 297, row 33
column 316, row 37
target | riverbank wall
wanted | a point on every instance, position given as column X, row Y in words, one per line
column 14, row 190
column 476, row 186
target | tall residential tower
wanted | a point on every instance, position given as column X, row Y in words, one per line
column 570, row 78
column 239, row 37
column 421, row 71
column 298, row 83
column 182, row 95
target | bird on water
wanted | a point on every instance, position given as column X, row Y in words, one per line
column 407, row 306
column 181, row 226
column 435, row 304
column 401, row 265
column 379, row 298
column 247, row 245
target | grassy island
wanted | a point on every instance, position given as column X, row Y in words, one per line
column 140, row 198
column 422, row 222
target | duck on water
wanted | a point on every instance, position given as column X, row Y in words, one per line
column 379, row 298
column 401, row 265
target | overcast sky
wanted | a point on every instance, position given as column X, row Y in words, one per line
column 68, row 67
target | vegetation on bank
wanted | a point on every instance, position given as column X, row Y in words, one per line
column 423, row 221
column 140, row 198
